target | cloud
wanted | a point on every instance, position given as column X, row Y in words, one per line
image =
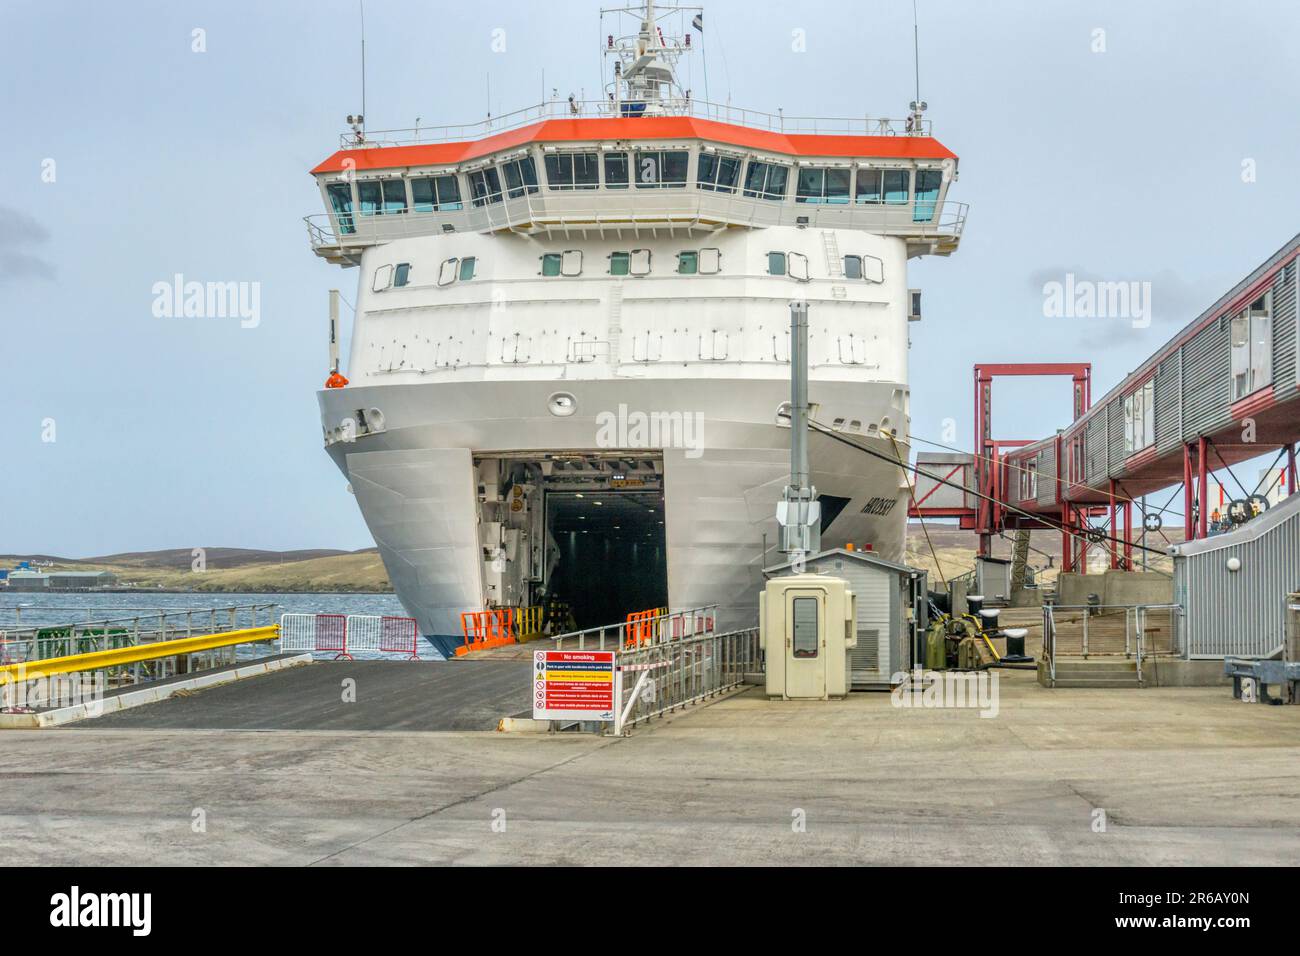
column 19, row 232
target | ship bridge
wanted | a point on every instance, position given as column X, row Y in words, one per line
column 579, row 170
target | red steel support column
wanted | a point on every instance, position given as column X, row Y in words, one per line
column 1291, row 470
column 1067, row 543
column 1114, row 528
column 1128, row 534
column 1203, row 487
column 1189, row 529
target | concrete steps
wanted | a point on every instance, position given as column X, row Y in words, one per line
column 1112, row 672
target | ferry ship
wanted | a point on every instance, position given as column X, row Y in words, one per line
column 568, row 376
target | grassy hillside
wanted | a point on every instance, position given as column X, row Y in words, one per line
column 234, row 569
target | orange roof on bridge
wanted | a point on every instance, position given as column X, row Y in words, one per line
column 640, row 128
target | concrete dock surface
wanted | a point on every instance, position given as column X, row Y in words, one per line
column 1184, row 776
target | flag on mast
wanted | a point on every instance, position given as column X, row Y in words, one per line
column 698, row 22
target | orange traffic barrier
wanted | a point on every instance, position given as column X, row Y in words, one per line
column 484, row 629
column 641, row 626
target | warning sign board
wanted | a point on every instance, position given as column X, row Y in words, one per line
column 573, row 685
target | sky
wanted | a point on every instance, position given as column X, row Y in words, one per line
column 1151, row 141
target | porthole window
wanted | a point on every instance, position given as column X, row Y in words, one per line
column 710, row 262
column 402, row 274
column 467, row 268
column 688, row 262
column 798, row 266
column 447, row 271
column 618, row 263
column 639, row 263
column 776, row 264
column 383, row 278
column 864, row 267
column 571, row 262
column 551, row 264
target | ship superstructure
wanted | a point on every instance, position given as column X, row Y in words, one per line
column 569, row 365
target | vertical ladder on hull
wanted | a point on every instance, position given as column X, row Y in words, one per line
column 1019, row 560
column 834, row 262
column 615, row 329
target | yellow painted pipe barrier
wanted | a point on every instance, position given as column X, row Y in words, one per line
column 98, row 660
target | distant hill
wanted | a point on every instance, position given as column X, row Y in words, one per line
column 233, row 569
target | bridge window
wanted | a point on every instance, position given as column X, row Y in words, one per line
column 823, row 186
column 435, row 194
column 661, row 168
column 776, row 264
column 402, row 274
column 370, row 197
column 766, row 180
column 394, row 196
column 928, row 182
column 639, row 265
column 1252, row 347
column 521, row 176
column 616, row 171
column 710, row 262
column 467, row 268
column 719, row 173
column 340, row 195
column 572, row 171
column 484, row 186
column 864, row 267
column 1140, row 418
column 618, row 263
column 881, row 185
column 688, row 262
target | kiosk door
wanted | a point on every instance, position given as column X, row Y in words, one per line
column 805, row 643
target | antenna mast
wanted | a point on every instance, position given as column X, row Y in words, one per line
column 915, row 122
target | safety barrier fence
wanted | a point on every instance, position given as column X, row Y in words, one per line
column 347, row 635
column 1138, row 631
column 655, row 629
column 33, row 642
column 76, row 677
column 490, row 628
column 529, row 622
column 657, row 678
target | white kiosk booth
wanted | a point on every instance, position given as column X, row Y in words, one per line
column 806, row 625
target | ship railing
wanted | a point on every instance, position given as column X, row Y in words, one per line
column 686, row 209
column 34, row 641
column 777, row 122
column 653, row 680
column 662, row 628
column 1136, row 631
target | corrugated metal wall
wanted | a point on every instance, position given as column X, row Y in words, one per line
column 1094, row 437
column 1047, row 476
column 1115, row 415
column 1169, row 383
column 1241, row 613
column 1285, row 367
column 1207, row 380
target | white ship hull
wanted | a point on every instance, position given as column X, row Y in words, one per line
column 417, row 482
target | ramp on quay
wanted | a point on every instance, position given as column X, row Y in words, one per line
column 389, row 695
